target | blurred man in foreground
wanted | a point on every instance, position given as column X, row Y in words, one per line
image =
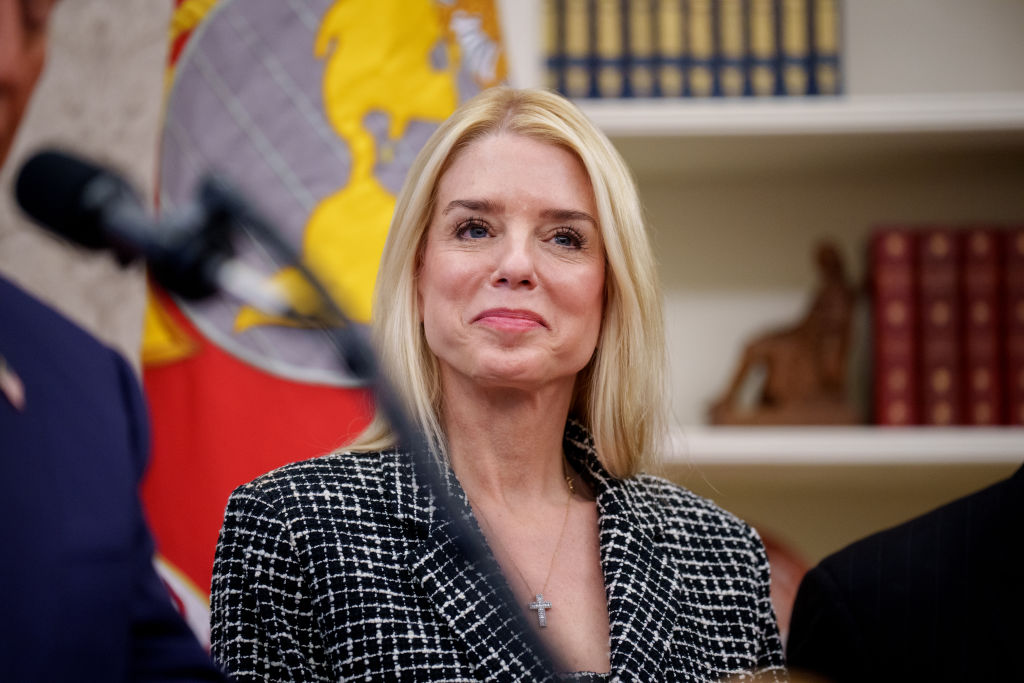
column 937, row 598
column 80, row 598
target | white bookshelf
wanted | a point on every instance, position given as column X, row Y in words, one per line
column 841, row 115
column 690, row 138
column 842, row 446
column 930, row 128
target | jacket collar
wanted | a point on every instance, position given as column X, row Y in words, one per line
column 639, row 579
column 638, row 576
column 470, row 596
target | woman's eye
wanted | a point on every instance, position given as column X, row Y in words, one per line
column 473, row 230
column 567, row 237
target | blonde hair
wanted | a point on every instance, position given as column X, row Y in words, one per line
column 619, row 395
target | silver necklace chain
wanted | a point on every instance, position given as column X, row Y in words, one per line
column 539, row 604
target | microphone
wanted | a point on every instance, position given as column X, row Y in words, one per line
column 189, row 253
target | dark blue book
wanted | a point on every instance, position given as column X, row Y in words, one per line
column 826, row 75
column 641, row 40
column 610, row 48
column 579, row 54
column 763, row 67
column 795, row 47
column 554, row 45
column 732, row 48
column 701, row 74
column 670, row 47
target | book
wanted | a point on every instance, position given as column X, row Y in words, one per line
column 700, row 70
column 795, row 47
column 731, row 43
column 825, row 48
column 610, row 48
column 578, row 56
column 939, row 327
column 670, row 46
column 891, row 256
column 1013, row 317
column 982, row 352
column 763, row 57
column 554, row 40
column 641, row 78
column 692, row 48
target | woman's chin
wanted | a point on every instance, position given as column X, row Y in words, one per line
column 519, row 379
column 526, row 370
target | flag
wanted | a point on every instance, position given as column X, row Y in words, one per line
column 314, row 110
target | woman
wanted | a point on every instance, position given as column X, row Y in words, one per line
column 519, row 310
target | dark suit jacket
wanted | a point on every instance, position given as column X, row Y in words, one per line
column 938, row 598
column 339, row 568
column 79, row 598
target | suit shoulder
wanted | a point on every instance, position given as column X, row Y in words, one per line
column 46, row 340
column 31, row 316
column 967, row 519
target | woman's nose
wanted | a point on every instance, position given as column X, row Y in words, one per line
column 516, row 265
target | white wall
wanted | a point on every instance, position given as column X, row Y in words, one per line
column 933, row 46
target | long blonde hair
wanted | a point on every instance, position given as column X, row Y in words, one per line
column 619, row 395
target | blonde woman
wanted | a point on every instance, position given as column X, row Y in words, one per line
column 518, row 310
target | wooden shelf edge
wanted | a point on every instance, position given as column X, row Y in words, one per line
column 826, row 446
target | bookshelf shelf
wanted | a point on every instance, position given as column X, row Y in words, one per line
column 845, row 115
column 836, row 446
column 807, row 134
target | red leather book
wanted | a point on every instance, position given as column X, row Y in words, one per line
column 1013, row 317
column 939, row 327
column 891, row 255
column 982, row 353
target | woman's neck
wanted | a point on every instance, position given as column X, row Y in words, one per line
column 505, row 445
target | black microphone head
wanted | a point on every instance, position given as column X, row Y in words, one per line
column 67, row 195
column 94, row 207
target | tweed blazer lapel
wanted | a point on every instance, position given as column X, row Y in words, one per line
column 640, row 582
column 469, row 597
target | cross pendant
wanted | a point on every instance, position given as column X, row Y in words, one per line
column 540, row 605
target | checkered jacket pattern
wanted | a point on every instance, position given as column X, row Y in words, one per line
column 340, row 568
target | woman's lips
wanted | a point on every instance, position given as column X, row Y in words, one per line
column 510, row 319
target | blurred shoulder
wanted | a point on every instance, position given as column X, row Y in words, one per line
column 974, row 526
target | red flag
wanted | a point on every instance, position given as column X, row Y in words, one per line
column 314, row 110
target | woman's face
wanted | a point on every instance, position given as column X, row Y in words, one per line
column 511, row 281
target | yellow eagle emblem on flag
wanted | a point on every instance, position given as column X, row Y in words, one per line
column 315, row 110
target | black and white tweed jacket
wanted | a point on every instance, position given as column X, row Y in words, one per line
column 339, row 568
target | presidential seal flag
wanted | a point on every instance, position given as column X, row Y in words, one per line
column 313, row 110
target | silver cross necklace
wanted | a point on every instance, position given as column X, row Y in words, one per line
column 539, row 605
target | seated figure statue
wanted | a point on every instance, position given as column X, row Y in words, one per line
column 804, row 365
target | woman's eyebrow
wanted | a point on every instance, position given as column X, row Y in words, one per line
column 488, row 206
column 479, row 205
column 568, row 215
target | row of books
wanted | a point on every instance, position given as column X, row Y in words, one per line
column 948, row 325
column 692, row 48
